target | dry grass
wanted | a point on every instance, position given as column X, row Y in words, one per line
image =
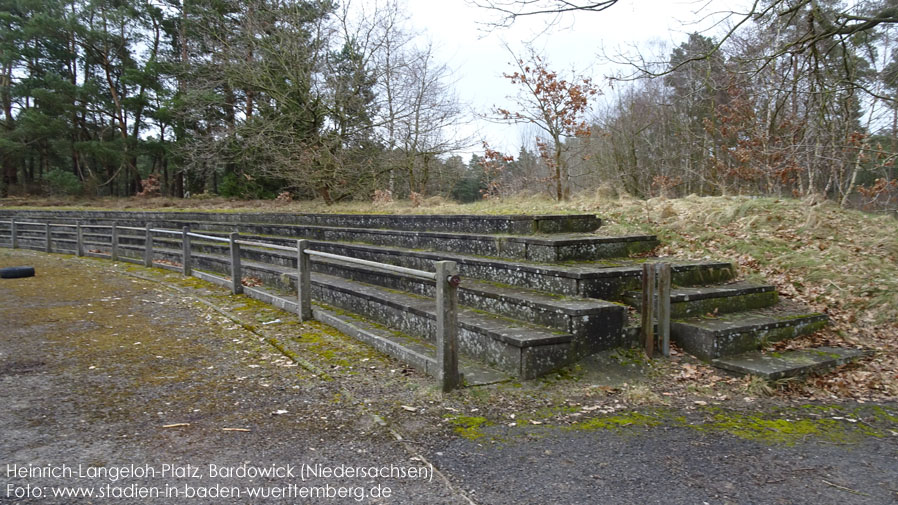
column 841, row 262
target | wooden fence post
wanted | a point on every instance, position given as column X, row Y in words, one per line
column 148, row 248
column 447, row 281
column 79, row 240
column 303, row 281
column 648, row 304
column 236, row 276
column 664, row 276
column 49, row 244
column 114, row 239
column 14, row 232
column 186, row 266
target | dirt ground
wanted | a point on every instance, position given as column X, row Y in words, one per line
column 119, row 381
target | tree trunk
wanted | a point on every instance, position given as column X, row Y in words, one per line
column 10, row 171
column 559, row 184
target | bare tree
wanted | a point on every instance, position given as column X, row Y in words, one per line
column 554, row 104
column 418, row 113
column 815, row 22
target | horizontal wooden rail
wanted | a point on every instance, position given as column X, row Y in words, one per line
column 208, row 237
column 267, row 245
column 167, row 232
column 421, row 274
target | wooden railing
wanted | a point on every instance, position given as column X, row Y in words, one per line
column 445, row 276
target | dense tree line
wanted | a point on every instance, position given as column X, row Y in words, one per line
column 248, row 98
column 320, row 99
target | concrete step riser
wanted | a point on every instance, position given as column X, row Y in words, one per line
column 613, row 285
column 720, row 305
column 597, row 250
column 450, row 223
column 725, row 305
column 517, row 248
column 709, row 345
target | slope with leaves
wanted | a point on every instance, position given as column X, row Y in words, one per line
column 843, row 263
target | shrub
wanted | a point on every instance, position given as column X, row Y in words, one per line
column 61, row 182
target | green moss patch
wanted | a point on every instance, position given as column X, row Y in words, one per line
column 619, row 422
column 469, row 427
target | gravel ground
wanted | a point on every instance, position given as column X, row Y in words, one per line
column 94, row 367
column 107, row 366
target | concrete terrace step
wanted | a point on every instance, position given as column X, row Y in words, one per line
column 415, row 352
column 725, row 299
column 537, row 248
column 418, row 353
column 780, row 365
column 510, row 224
column 595, row 323
column 589, row 280
column 522, row 349
column 710, row 338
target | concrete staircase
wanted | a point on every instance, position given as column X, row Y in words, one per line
column 539, row 292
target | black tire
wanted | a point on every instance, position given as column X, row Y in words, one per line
column 16, row 272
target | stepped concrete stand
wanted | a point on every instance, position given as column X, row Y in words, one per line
column 540, row 292
column 521, row 225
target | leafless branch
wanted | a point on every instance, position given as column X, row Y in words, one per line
column 510, row 10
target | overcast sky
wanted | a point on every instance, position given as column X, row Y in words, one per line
column 575, row 43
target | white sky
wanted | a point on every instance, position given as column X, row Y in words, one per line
column 576, row 43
